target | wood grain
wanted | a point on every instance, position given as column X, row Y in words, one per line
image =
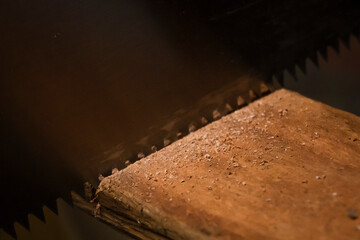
column 284, row 167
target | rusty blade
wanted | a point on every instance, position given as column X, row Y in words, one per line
column 87, row 85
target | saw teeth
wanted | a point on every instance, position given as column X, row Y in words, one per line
column 292, row 72
column 140, row 155
column 114, row 170
column 39, row 214
column 228, row 108
column 299, row 73
column 166, row 142
column 314, row 58
column 240, row 101
column 280, row 78
column 302, row 66
column 323, row 52
column 252, row 95
column 264, row 89
column 153, row 148
column 100, row 177
column 52, row 205
column 335, row 45
column 216, row 114
column 192, row 127
column 204, row 121
column 24, row 222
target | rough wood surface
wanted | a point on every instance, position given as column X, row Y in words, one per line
column 284, row 167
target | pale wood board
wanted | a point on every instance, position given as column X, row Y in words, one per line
column 284, row 167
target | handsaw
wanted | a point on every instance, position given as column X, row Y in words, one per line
column 89, row 86
column 323, row 78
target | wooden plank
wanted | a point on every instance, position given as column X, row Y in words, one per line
column 284, row 167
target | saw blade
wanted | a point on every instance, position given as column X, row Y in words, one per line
column 89, row 86
column 339, row 67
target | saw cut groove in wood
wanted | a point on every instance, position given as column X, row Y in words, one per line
column 283, row 167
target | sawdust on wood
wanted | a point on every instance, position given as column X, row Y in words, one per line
column 284, row 167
